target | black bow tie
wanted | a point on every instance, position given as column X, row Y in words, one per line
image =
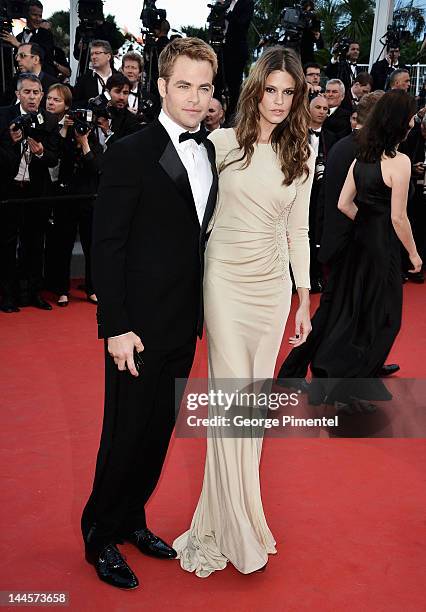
column 133, row 93
column 314, row 133
column 197, row 136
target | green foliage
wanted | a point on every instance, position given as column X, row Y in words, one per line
column 60, row 21
column 202, row 33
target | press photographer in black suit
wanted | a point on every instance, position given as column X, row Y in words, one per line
column 338, row 120
column 382, row 69
column 104, row 30
column 235, row 49
column 93, row 83
column 132, row 67
column 35, row 33
column 311, row 36
column 344, row 65
column 34, row 150
column 156, row 196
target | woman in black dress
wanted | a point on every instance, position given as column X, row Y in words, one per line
column 365, row 315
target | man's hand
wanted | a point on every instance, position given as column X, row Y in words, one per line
column 9, row 38
column 35, row 147
column 103, row 123
column 419, row 168
column 121, row 350
column 16, row 135
column 302, row 326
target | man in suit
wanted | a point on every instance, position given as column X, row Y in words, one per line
column 338, row 120
column 336, row 234
column 235, row 49
column 215, row 116
column 156, row 196
column 382, row 69
column 121, row 121
column 93, row 83
column 29, row 59
column 33, row 153
column 321, row 140
column 312, row 72
column 35, row 33
column 362, row 85
column 345, row 68
column 132, row 67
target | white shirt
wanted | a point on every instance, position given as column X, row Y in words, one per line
column 101, row 81
column 23, row 172
column 195, row 159
column 314, row 140
column 332, row 110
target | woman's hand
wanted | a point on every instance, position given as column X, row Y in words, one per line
column 417, row 263
column 302, row 325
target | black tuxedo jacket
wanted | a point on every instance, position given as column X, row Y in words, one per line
column 44, row 38
column 85, row 88
column 148, row 246
column 239, row 20
column 38, row 167
column 123, row 123
column 339, row 122
column 342, row 70
column 336, row 227
column 381, row 71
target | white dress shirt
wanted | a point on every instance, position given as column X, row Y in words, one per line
column 195, row 159
column 23, row 172
column 314, row 140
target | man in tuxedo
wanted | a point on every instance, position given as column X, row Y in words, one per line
column 132, row 67
column 362, row 85
column 121, row 122
column 156, row 196
column 32, row 152
column 338, row 120
column 235, row 49
column 346, row 68
column 312, row 72
column 321, row 140
column 93, row 83
column 400, row 79
column 35, row 33
column 215, row 116
column 382, row 69
column 336, row 234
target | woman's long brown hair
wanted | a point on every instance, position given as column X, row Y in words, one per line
column 289, row 138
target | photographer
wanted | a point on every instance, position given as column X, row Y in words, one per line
column 235, row 50
column 31, row 137
column 76, row 175
column 382, row 69
column 34, row 33
column 312, row 72
column 92, row 84
column 311, row 35
column 132, row 67
column 343, row 64
column 338, row 120
column 321, row 141
column 86, row 34
column 62, row 68
column 114, row 119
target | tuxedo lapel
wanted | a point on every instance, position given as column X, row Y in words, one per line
column 173, row 166
column 211, row 200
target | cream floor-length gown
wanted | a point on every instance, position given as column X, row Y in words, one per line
column 247, row 294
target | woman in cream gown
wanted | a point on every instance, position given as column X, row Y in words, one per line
column 260, row 225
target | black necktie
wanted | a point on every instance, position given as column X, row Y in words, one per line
column 314, row 133
column 197, row 136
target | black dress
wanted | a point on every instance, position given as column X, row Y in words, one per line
column 366, row 305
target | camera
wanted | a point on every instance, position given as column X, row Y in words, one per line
column 83, row 120
column 341, row 47
column 100, row 105
column 30, row 124
column 90, row 12
column 395, row 35
column 294, row 20
column 151, row 16
column 217, row 23
column 9, row 10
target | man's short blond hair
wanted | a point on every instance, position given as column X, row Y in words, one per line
column 194, row 48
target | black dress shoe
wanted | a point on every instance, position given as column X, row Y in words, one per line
column 9, row 305
column 150, row 544
column 112, row 568
column 387, row 370
column 416, row 277
column 38, row 302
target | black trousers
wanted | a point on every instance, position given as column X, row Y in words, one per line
column 139, row 419
column 68, row 217
column 26, row 222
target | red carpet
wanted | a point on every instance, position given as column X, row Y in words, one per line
column 348, row 515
